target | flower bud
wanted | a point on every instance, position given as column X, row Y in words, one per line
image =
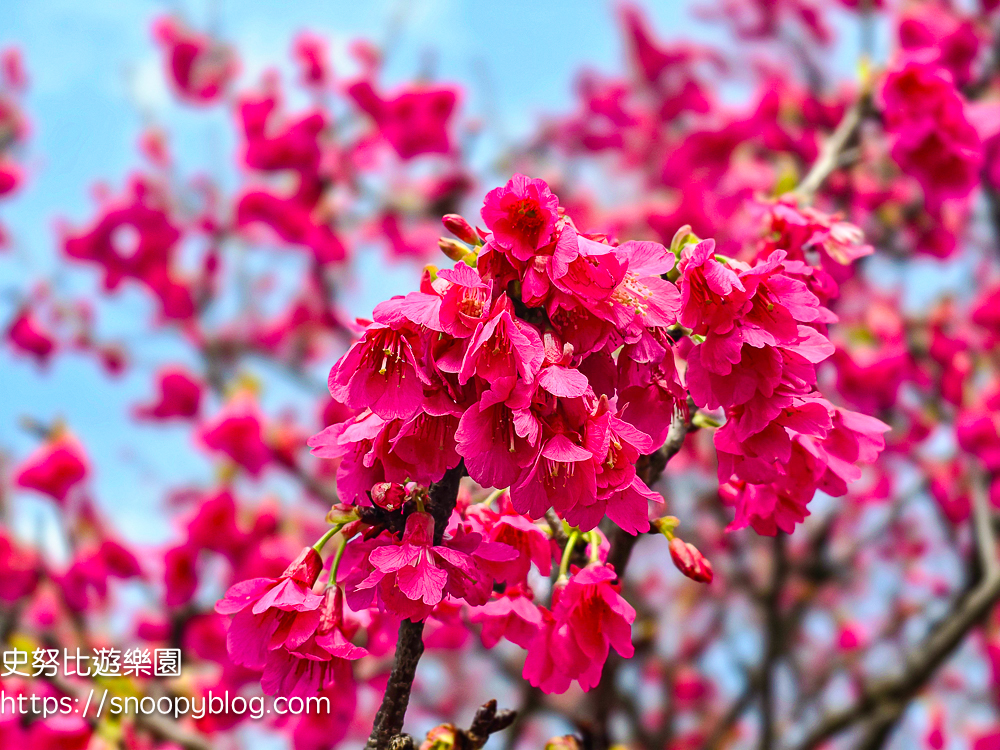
column 441, row 737
column 566, row 742
column 389, row 495
column 690, row 561
column 454, row 249
column 459, row 227
column 667, row 525
column 341, row 513
column 305, row 568
column 683, row 236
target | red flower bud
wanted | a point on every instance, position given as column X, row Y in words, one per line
column 690, row 561
column 459, row 227
column 305, row 568
column 389, row 495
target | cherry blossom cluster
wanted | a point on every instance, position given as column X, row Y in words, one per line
column 452, row 373
column 543, row 364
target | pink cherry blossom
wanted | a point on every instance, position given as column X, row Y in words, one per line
column 265, row 609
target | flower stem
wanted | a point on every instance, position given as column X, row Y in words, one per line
column 594, row 550
column 567, row 554
column 326, row 537
column 336, row 562
column 494, row 496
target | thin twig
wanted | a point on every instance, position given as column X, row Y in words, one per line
column 986, row 542
column 829, row 155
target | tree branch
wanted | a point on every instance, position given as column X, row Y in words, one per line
column 829, row 155
column 986, row 543
column 410, row 646
column 773, row 636
column 889, row 696
column 650, row 468
column 487, row 721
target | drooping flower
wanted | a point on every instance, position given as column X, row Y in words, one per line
column 562, row 476
column 265, row 609
column 511, row 615
column 589, row 617
column 315, row 652
column 410, row 576
column 381, row 372
column 511, row 528
column 503, row 351
column 497, row 443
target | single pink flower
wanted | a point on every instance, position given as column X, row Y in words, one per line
column 179, row 396
column 311, row 53
column 410, row 576
column 28, row 335
column 710, row 290
column 315, row 652
column 55, row 468
column 503, row 351
column 414, row 122
column 180, row 574
column 20, row 570
column 521, row 215
column 199, row 68
column 237, row 431
column 589, row 617
column 511, row 615
column 292, row 220
column 265, row 609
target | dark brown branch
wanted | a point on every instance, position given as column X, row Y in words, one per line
column 732, row 714
column 650, row 468
column 410, row 646
column 487, row 721
column 389, row 719
column 773, row 639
